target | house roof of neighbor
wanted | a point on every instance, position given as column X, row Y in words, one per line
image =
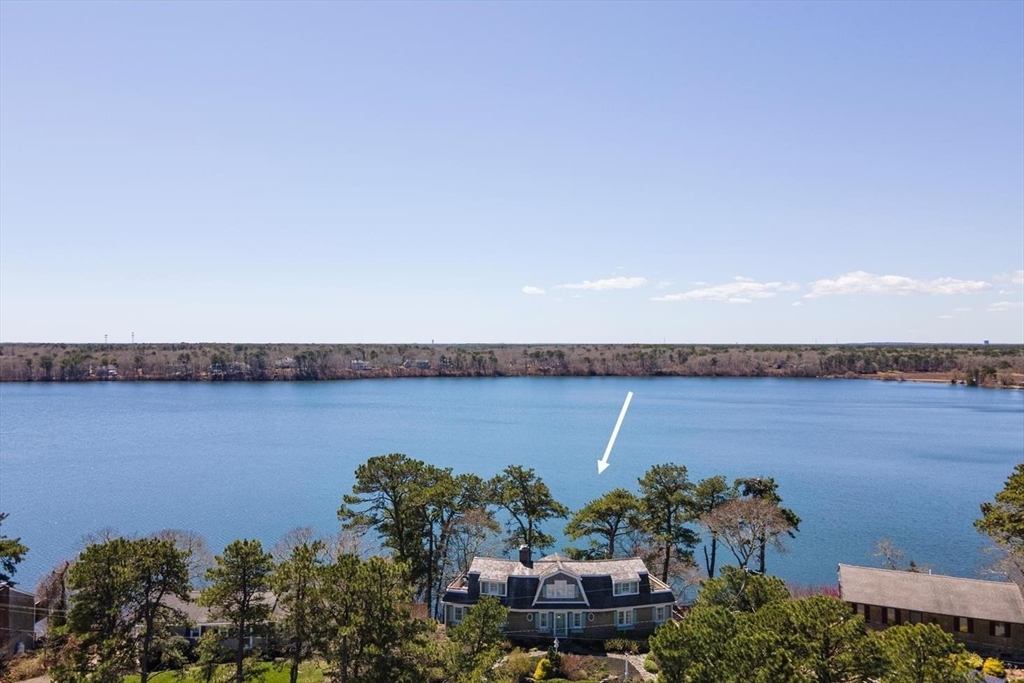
column 933, row 593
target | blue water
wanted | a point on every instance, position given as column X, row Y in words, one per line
column 858, row 460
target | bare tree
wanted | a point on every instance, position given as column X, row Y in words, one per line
column 746, row 526
column 199, row 556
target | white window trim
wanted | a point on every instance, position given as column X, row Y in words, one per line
column 543, row 621
column 458, row 614
column 486, row 586
column 658, row 613
column 626, row 588
column 624, row 619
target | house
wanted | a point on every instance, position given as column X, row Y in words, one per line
column 17, row 620
column 555, row 597
column 201, row 621
column 986, row 616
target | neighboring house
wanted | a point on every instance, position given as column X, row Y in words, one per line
column 17, row 619
column 201, row 621
column 986, row 616
column 555, row 597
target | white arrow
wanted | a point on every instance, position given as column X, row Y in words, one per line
column 602, row 464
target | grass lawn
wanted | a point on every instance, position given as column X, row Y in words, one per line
column 309, row 672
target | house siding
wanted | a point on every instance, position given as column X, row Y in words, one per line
column 980, row 640
column 17, row 620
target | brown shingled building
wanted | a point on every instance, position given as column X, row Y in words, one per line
column 986, row 616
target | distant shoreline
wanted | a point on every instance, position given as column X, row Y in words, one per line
column 994, row 365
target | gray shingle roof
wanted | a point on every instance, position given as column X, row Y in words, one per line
column 495, row 569
column 933, row 593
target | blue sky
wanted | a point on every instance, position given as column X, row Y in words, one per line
column 512, row 172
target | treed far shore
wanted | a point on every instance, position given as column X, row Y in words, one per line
column 991, row 365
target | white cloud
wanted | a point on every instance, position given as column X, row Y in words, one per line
column 945, row 317
column 1014, row 278
column 1004, row 306
column 532, row 290
column 961, row 310
column 576, row 296
column 663, row 284
column 610, row 283
column 739, row 291
column 861, row 282
column 797, row 303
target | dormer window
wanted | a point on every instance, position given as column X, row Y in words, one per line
column 627, row 588
column 564, row 590
column 492, row 588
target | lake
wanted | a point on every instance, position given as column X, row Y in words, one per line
column 857, row 460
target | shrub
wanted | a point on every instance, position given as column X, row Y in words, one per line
column 518, row 666
column 576, row 668
column 650, row 666
column 544, row 671
column 633, row 646
column 993, row 667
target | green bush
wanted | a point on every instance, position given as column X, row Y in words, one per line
column 993, row 667
column 650, row 666
column 633, row 646
column 544, row 671
column 518, row 666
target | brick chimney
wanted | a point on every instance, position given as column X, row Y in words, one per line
column 526, row 556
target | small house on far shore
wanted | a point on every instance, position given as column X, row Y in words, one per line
column 986, row 616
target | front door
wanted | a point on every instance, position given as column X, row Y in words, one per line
column 561, row 625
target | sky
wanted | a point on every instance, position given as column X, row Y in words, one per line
column 512, row 172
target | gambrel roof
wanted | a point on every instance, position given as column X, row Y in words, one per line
column 623, row 569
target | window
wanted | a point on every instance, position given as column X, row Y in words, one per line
column 890, row 615
column 458, row 614
column 492, row 588
column 963, row 625
column 563, row 590
column 627, row 588
column 543, row 621
column 659, row 614
column 915, row 617
column 624, row 618
column 999, row 629
column 576, row 621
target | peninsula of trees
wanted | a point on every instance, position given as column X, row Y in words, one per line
column 982, row 364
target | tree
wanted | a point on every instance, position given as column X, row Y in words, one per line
column 742, row 591
column 1003, row 520
column 707, row 496
column 746, row 526
column 195, row 548
column 369, row 634
column 923, row 653
column 118, row 604
column 825, row 637
column 477, row 639
column 664, row 495
column 527, row 500
column 239, row 584
column 12, row 552
column 606, row 517
column 765, row 488
column 297, row 581
column 160, row 570
column 415, row 508
column 694, row 650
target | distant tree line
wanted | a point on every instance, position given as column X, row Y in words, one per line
column 994, row 365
